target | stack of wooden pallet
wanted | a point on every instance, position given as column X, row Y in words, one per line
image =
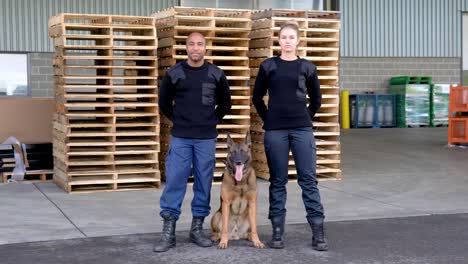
column 227, row 43
column 106, row 129
column 319, row 43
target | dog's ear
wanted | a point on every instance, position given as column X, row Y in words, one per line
column 248, row 141
column 229, row 140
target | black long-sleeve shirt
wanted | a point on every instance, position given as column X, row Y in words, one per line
column 195, row 99
column 287, row 84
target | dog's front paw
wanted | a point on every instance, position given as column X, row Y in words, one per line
column 258, row 244
column 215, row 237
column 223, row 244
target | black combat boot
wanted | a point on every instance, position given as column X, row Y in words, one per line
column 319, row 241
column 277, row 240
column 196, row 233
column 168, row 239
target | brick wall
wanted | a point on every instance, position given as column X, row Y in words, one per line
column 360, row 75
column 41, row 78
column 356, row 74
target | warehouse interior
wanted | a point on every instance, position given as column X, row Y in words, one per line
column 83, row 144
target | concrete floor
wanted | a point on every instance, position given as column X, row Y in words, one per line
column 387, row 173
column 436, row 239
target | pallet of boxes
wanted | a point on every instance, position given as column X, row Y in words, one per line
column 106, row 127
column 227, row 43
column 319, row 43
column 413, row 100
column 439, row 105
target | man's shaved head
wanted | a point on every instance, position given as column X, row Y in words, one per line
column 191, row 35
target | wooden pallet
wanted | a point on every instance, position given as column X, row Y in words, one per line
column 66, row 25
column 194, row 14
column 30, row 176
column 120, row 179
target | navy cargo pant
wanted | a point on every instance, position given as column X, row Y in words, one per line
column 184, row 156
column 302, row 143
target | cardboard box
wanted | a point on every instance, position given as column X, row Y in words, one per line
column 27, row 119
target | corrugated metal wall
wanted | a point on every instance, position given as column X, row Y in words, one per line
column 402, row 28
column 370, row 28
column 23, row 23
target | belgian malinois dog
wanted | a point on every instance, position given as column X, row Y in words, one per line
column 237, row 216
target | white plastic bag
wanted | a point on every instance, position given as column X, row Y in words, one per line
column 20, row 168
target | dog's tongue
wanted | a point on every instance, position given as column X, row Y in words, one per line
column 239, row 169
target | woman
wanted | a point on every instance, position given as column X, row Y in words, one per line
column 287, row 123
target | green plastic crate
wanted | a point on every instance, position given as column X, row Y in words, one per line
column 399, row 80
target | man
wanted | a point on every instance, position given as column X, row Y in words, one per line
column 195, row 95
